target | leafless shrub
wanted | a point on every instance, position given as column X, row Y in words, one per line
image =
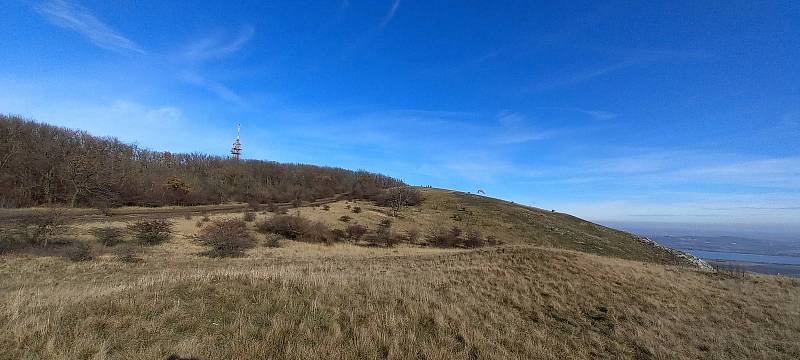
column 108, row 236
column 9, row 242
column 326, row 207
column 151, row 231
column 473, row 239
column 339, row 234
column 42, row 228
column 397, row 197
column 249, row 216
column 227, row 238
column 345, row 218
column 79, row 251
column 356, row 209
column 187, row 216
column 441, row 237
column 298, row 228
column 273, row 241
column 127, row 254
column 492, row 240
column 318, row 232
column 254, row 205
column 289, row 226
column 356, row 231
column 411, row 235
column 385, row 223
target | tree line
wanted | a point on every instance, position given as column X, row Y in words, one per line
column 42, row 164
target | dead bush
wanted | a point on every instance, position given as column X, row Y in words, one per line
column 473, row 239
column 79, row 251
column 398, row 197
column 339, row 234
column 383, row 237
column 127, row 254
column 249, row 216
column 385, row 223
column 356, row 209
column 151, row 231
column 411, row 235
column 9, row 242
column 254, row 205
column 441, row 237
column 108, row 236
column 345, row 218
column 326, row 207
column 356, row 231
column 43, row 228
column 318, row 232
column 187, row 216
column 273, row 241
column 290, row 226
column 227, row 238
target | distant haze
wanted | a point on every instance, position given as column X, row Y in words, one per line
column 782, row 232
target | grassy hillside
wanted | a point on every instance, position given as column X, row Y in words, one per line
column 545, row 293
column 511, row 223
column 313, row 301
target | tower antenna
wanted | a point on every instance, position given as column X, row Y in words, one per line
column 236, row 149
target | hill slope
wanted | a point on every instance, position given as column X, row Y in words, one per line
column 509, row 222
column 345, row 302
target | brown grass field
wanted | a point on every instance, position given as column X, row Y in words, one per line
column 559, row 288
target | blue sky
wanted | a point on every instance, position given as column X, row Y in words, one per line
column 681, row 111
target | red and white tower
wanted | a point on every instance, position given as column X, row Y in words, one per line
column 236, row 150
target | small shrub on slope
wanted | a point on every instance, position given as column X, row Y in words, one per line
column 290, row 226
column 227, row 238
column 79, row 252
column 151, row 231
column 356, row 231
column 108, row 236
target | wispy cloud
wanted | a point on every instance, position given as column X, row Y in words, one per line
column 599, row 114
column 219, row 89
column 636, row 59
column 781, row 172
column 670, row 168
column 515, row 128
column 389, row 15
column 79, row 19
column 217, row 45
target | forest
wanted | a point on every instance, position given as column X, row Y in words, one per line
column 42, row 164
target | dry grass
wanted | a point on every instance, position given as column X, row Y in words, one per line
column 354, row 303
column 510, row 223
column 304, row 300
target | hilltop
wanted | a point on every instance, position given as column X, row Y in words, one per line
column 350, row 271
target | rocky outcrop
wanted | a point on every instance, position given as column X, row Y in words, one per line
column 695, row 261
